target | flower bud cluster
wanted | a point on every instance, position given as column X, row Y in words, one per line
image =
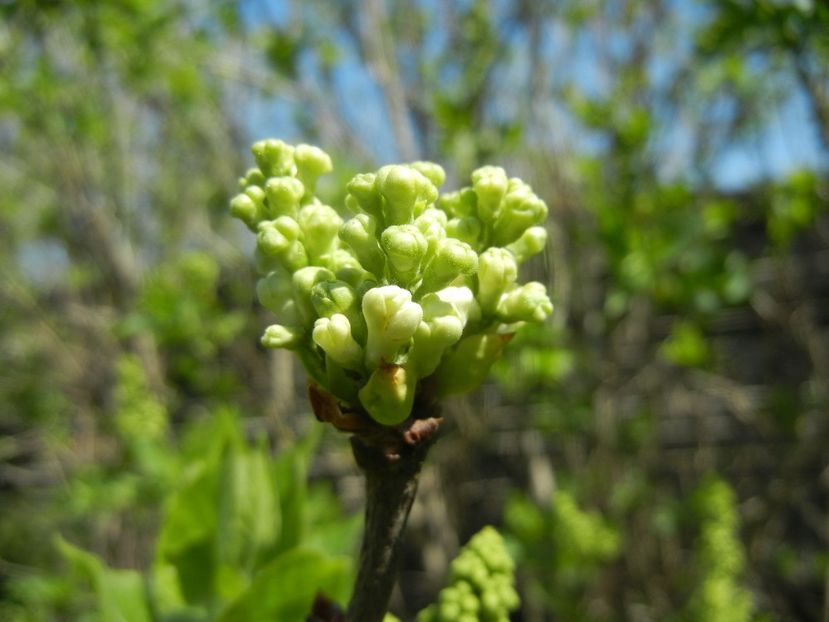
column 412, row 286
column 480, row 585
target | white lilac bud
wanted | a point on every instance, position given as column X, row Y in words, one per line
column 278, row 336
column 333, row 335
column 391, row 320
column 497, row 271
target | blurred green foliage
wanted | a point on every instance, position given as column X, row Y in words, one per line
column 154, row 459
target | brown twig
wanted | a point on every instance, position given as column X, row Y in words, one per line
column 391, row 458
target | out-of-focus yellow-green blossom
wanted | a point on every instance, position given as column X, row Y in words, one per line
column 480, row 584
column 414, row 286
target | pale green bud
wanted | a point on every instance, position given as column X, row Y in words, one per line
column 404, row 247
column 490, row 184
column 360, row 233
column 320, row 224
column 531, row 242
column 527, row 303
column 303, row 281
column 463, row 302
column 311, row 163
column 468, row 364
column 497, row 271
column 405, row 192
column 452, row 259
column 339, row 259
column 388, row 395
column 520, row 210
column 466, row 229
column 460, row 203
column 391, row 320
column 432, row 224
column 332, row 297
column 358, row 278
column 253, row 177
column 281, row 239
column 274, row 157
column 441, row 327
column 333, row 335
column 431, row 171
column 278, row 336
column 362, row 188
column 273, row 290
column 284, row 195
column 245, row 209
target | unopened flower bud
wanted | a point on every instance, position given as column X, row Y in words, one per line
column 452, row 259
column 338, row 297
column 333, row 335
column 388, row 395
column 281, row 238
column 531, row 242
column 497, row 271
column 466, row 229
column 274, row 157
column 431, row 171
column 284, row 195
column 363, row 189
column 311, row 163
column 520, row 210
column 245, row 209
column 405, row 248
column 320, row 224
column 490, row 184
column 403, row 188
column 273, row 290
column 527, row 303
column 441, row 327
column 432, row 224
column 460, row 203
column 391, row 320
column 360, row 233
column 303, row 281
column 253, row 177
column 463, row 302
column 278, row 336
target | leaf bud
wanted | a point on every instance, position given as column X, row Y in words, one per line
column 388, row 395
column 468, row 364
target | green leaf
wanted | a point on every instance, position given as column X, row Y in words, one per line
column 284, row 589
column 121, row 594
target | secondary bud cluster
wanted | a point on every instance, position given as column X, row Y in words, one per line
column 412, row 286
column 480, row 584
